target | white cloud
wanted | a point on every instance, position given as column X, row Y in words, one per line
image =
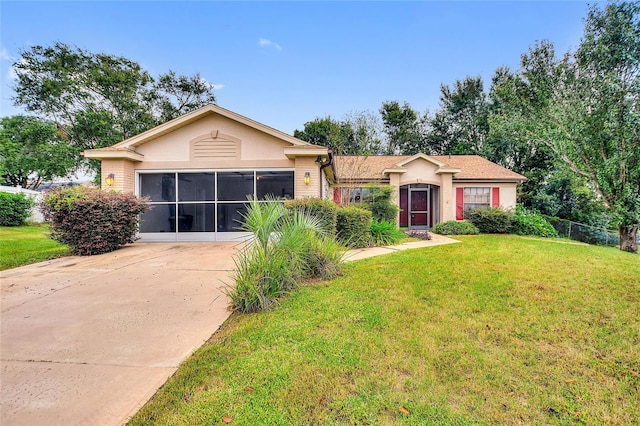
column 6, row 56
column 218, row 86
column 265, row 42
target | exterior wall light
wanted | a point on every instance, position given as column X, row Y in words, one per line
column 307, row 178
column 111, row 178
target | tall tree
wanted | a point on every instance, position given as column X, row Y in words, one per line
column 99, row 99
column 595, row 115
column 584, row 109
column 403, row 128
column 461, row 125
column 356, row 134
column 32, row 150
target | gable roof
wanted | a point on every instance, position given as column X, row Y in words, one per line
column 377, row 167
column 126, row 148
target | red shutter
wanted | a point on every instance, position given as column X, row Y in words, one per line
column 459, row 203
column 495, row 197
column 337, row 196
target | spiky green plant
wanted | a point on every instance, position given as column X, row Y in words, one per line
column 287, row 246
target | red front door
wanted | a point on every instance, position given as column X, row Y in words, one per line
column 418, row 211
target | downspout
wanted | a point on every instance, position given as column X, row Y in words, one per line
column 324, row 164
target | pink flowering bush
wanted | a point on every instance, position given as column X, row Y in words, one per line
column 91, row 221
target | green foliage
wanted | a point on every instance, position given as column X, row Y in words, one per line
column 378, row 200
column 91, row 221
column 403, row 127
column 461, row 124
column 326, row 211
column 98, row 99
column 14, row 209
column 32, row 150
column 529, row 222
column 288, row 246
column 454, row 227
column 492, row 220
column 384, row 233
column 354, row 227
column 356, row 134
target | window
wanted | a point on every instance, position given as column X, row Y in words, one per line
column 206, row 201
column 354, row 195
column 475, row 198
column 274, row 184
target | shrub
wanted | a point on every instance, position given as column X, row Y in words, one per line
column 287, row 247
column 453, row 227
column 91, row 221
column 385, row 233
column 324, row 259
column 14, row 209
column 491, row 220
column 529, row 222
column 354, row 227
column 378, row 201
column 325, row 210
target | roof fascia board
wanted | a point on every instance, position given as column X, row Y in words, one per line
column 100, row 154
column 422, row 156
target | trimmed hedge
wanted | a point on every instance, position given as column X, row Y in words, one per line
column 491, row 220
column 326, row 211
column 453, row 227
column 354, row 227
column 14, row 209
column 91, row 221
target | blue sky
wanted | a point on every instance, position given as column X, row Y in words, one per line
column 285, row 63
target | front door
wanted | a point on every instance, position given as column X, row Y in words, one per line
column 418, row 209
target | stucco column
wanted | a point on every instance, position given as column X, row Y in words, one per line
column 394, row 182
column 447, row 203
column 123, row 175
column 303, row 166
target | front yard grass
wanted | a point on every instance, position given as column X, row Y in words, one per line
column 22, row 245
column 496, row 330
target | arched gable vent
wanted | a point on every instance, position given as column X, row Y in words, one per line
column 215, row 146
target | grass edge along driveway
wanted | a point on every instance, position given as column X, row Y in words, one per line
column 23, row 245
column 497, row 330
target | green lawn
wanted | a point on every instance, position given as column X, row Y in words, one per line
column 21, row 245
column 496, row 330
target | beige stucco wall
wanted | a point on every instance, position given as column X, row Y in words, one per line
column 447, row 201
column 173, row 150
column 303, row 165
column 420, row 171
column 124, row 175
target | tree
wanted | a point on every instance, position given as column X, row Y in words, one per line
column 403, row 127
column 595, row 116
column 100, row 99
column 33, row 150
column 584, row 109
column 461, row 124
column 356, row 134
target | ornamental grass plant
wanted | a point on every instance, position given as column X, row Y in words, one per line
column 287, row 247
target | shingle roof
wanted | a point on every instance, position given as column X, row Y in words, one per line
column 350, row 167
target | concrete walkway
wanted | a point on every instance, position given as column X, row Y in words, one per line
column 363, row 253
column 88, row 340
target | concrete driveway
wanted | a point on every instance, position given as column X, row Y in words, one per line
column 88, row 340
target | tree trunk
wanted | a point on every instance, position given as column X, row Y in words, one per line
column 628, row 238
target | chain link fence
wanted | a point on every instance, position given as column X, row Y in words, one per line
column 586, row 233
